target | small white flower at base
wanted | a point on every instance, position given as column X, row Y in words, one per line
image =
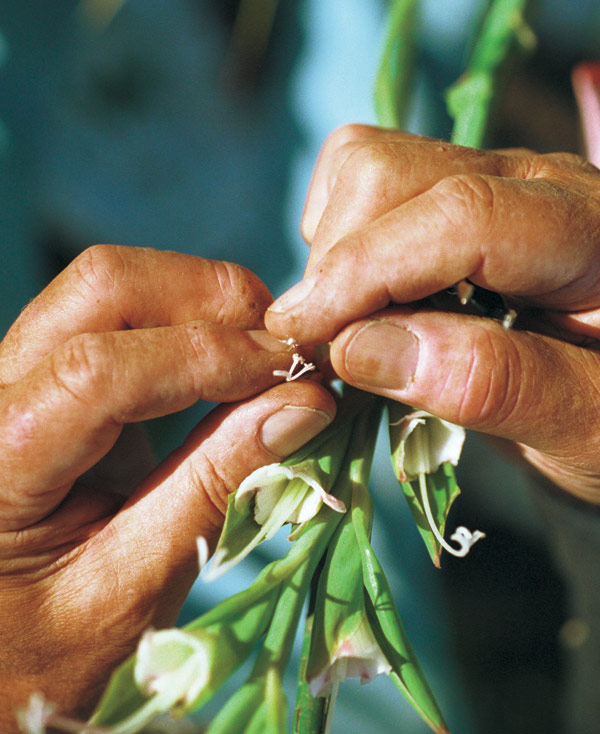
column 203, row 551
column 35, row 718
column 173, row 665
column 358, row 656
column 426, row 442
column 268, row 484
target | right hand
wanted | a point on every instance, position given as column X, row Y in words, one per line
column 393, row 219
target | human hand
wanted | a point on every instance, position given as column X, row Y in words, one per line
column 393, row 218
column 121, row 336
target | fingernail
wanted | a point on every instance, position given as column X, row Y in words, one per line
column 382, row 354
column 292, row 297
column 266, row 341
column 290, row 428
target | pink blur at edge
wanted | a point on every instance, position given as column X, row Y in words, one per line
column 586, row 86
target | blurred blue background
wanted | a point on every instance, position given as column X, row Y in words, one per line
column 155, row 123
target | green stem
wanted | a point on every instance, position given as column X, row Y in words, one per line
column 394, row 77
column 310, row 712
column 504, row 35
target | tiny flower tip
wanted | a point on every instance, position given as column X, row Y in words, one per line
column 358, row 656
column 217, row 567
column 509, row 318
column 465, row 291
column 465, row 539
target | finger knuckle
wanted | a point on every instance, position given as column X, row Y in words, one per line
column 211, row 480
column 218, row 351
column 98, row 268
column 242, row 298
column 79, row 366
column 367, row 169
column 556, row 165
column 348, row 133
column 465, row 201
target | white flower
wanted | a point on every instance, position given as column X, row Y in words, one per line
column 425, row 443
column 281, row 494
column 269, row 483
column 173, row 665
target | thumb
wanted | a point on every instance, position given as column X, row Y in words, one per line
column 471, row 371
column 186, row 496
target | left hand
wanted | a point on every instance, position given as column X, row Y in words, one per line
column 393, row 218
column 96, row 542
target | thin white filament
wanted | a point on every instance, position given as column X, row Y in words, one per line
column 463, row 536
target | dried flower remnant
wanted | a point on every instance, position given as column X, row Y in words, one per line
column 299, row 365
column 357, row 656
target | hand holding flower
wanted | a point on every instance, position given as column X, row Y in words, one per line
column 402, row 218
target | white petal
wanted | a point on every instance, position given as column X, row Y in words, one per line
column 358, row 656
column 427, row 442
column 264, row 476
column 307, row 509
column 266, row 499
column 268, row 483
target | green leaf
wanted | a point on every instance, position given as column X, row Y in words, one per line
column 386, row 624
column 339, row 606
column 442, row 490
column 241, row 714
column 239, row 530
column 236, row 714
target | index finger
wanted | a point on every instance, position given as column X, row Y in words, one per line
column 533, row 239
column 110, row 288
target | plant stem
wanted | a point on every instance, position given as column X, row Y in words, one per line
column 504, row 36
column 394, row 77
column 310, row 712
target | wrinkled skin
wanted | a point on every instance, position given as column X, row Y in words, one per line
column 96, row 542
column 393, row 218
